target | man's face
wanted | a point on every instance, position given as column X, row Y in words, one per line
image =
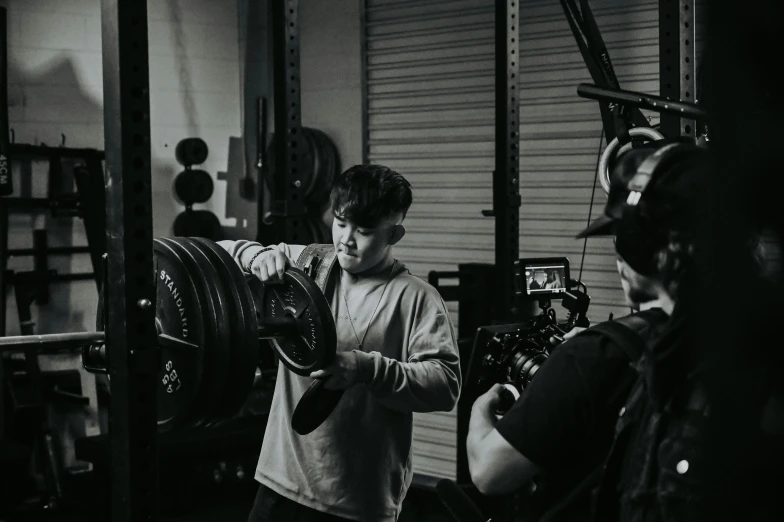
column 361, row 248
column 637, row 288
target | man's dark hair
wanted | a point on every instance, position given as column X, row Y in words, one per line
column 366, row 194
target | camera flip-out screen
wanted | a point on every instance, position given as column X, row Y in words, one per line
column 542, row 277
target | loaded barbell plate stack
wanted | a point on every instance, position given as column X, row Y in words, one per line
column 209, row 317
column 179, row 316
column 214, row 316
column 244, row 343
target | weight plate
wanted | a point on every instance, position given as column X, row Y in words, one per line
column 181, row 338
column 244, row 325
column 329, row 165
column 197, row 223
column 316, row 162
column 314, row 407
column 298, row 297
column 223, row 349
column 191, row 151
column 193, row 186
column 216, row 358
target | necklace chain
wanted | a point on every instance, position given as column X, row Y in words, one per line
column 348, row 310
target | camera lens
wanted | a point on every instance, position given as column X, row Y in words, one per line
column 528, row 357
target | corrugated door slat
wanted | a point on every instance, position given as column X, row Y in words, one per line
column 560, row 133
column 430, row 116
column 430, row 100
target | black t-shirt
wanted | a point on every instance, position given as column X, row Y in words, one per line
column 564, row 420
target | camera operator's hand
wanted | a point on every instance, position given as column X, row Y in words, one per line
column 574, row 331
column 487, row 403
column 568, row 335
column 268, row 265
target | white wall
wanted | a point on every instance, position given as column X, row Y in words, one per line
column 330, row 77
column 331, row 68
column 56, row 87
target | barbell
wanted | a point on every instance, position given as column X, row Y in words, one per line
column 210, row 317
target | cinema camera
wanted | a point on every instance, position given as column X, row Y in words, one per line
column 513, row 353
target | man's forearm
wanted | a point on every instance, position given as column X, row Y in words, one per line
column 241, row 250
column 420, row 386
column 481, row 423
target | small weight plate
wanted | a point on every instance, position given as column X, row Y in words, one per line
column 300, row 298
column 197, row 223
column 182, row 338
column 191, row 151
column 193, row 186
column 216, row 359
column 244, row 325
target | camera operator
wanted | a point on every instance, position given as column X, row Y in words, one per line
column 657, row 469
column 556, row 437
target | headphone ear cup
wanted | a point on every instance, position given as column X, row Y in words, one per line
column 636, row 243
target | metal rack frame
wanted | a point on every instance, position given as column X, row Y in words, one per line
column 677, row 68
column 288, row 203
column 506, row 179
column 130, row 330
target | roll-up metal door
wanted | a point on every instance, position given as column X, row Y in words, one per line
column 560, row 134
column 430, row 115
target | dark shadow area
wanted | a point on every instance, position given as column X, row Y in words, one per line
column 742, row 234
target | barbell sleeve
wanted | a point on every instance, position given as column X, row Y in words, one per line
column 50, row 342
column 270, row 327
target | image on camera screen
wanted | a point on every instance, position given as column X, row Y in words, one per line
column 545, row 279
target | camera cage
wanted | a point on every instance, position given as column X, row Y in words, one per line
column 510, row 354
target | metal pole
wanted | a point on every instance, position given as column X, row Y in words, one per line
column 506, row 182
column 288, row 204
column 677, row 69
column 49, row 343
column 130, row 328
column 642, row 100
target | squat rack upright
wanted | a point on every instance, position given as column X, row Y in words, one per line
column 130, row 329
column 130, row 296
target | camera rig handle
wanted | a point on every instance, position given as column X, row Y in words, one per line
column 577, row 303
column 507, row 397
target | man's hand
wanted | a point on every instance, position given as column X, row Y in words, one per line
column 269, row 265
column 574, row 331
column 487, row 403
column 342, row 373
column 568, row 335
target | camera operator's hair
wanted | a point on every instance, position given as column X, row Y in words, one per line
column 366, row 194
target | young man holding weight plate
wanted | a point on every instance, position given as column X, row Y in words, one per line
column 396, row 354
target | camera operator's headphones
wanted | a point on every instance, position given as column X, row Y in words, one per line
column 640, row 233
